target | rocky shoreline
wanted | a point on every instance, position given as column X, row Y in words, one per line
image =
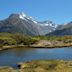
column 40, row 66
column 34, row 46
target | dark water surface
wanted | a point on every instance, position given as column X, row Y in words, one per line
column 12, row 56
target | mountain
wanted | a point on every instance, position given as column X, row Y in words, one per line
column 18, row 23
column 21, row 23
column 46, row 27
column 65, row 29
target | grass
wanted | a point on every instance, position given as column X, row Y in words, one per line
column 9, row 39
column 41, row 66
column 46, row 66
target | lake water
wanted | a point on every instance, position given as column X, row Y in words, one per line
column 12, row 56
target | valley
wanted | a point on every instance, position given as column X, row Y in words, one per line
column 27, row 45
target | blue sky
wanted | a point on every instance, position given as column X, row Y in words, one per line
column 59, row 11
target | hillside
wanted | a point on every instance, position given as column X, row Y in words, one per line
column 63, row 30
column 21, row 23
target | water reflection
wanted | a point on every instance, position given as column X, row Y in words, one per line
column 20, row 52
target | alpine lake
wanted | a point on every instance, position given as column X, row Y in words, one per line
column 11, row 57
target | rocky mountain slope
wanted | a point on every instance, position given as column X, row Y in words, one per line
column 21, row 23
column 65, row 29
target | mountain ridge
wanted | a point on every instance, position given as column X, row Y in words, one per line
column 22, row 23
column 25, row 24
column 61, row 30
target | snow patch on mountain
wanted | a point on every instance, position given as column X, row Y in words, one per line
column 43, row 27
column 22, row 15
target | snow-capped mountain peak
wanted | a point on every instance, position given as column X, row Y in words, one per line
column 24, row 17
column 43, row 27
column 21, row 22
